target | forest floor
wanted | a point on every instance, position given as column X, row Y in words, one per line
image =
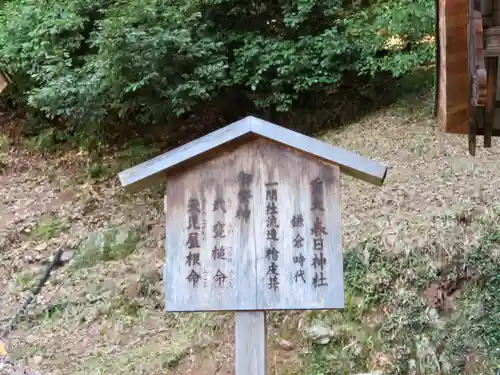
column 422, row 259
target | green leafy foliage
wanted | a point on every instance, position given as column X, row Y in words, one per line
column 92, row 62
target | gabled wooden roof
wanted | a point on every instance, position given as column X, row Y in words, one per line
column 350, row 163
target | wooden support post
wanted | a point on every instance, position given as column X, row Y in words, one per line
column 251, row 343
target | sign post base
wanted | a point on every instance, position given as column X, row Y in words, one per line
column 251, row 343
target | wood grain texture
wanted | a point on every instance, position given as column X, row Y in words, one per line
column 251, row 343
column 474, row 57
column 265, row 245
column 209, row 146
column 477, row 60
column 453, row 102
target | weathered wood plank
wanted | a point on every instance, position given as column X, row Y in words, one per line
column 306, row 258
column 452, row 49
column 222, row 247
column 251, row 343
column 258, row 236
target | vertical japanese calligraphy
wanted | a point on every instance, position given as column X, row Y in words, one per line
column 317, row 195
column 244, row 195
column 203, row 219
column 193, row 241
column 219, row 234
column 204, row 235
column 317, row 231
column 297, row 222
column 272, row 253
column 193, row 213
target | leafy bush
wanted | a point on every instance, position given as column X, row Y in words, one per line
column 97, row 61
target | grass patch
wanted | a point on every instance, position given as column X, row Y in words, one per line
column 52, row 312
column 46, row 140
column 4, row 143
column 159, row 353
column 95, row 170
column 113, row 244
column 124, row 305
column 389, row 323
column 4, row 148
column 3, row 163
column 150, row 357
column 25, row 279
column 48, row 228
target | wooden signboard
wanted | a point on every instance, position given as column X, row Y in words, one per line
column 253, row 224
column 260, row 231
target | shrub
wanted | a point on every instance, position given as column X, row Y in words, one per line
column 95, row 61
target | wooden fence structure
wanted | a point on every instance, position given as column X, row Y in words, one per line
column 468, row 49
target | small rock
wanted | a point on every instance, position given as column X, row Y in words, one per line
column 30, row 339
column 109, row 285
column 104, row 309
column 6, row 368
column 41, row 247
column 37, row 360
column 67, row 255
column 287, row 345
column 319, row 332
column 132, row 290
column 205, row 341
column 219, row 321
